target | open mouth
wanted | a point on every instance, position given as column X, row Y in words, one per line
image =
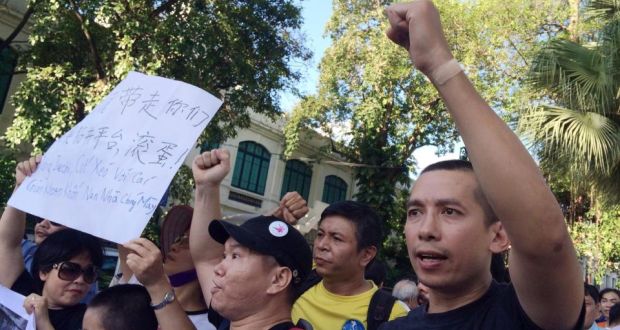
column 430, row 260
column 431, row 257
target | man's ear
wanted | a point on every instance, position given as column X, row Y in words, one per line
column 282, row 277
column 367, row 255
column 500, row 241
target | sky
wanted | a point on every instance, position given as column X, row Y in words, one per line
column 316, row 13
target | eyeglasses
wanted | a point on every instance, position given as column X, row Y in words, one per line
column 182, row 240
column 70, row 271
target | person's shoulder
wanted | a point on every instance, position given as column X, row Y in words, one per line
column 404, row 322
column 28, row 248
column 399, row 309
column 26, row 244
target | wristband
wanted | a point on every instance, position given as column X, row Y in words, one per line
column 445, row 72
column 168, row 299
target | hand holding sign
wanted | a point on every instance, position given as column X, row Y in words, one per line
column 25, row 169
column 38, row 305
column 107, row 174
column 145, row 261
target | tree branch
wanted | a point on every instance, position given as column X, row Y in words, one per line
column 91, row 43
column 518, row 51
column 411, row 141
column 19, row 26
column 164, row 7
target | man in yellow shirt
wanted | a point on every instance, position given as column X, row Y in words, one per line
column 347, row 241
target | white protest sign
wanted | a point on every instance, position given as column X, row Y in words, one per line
column 13, row 316
column 107, row 174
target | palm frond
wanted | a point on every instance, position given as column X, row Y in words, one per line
column 578, row 76
column 604, row 9
column 589, row 138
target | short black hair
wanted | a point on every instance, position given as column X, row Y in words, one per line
column 614, row 314
column 368, row 226
column 608, row 290
column 449, row 165
column 465, row 166
column 376, row 271
column 62, row 246
column 125, row 307
column 592, row 291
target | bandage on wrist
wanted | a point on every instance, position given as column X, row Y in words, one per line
column 445, row 72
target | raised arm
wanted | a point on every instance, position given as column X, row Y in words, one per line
column 209, row 170
column 12, row 228
column 543, row 263
column 145, row 261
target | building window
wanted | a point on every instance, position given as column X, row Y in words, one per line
column 208, row 146
column 8, row 60
column 251, row 167
column 297, row 177
column 335, row 189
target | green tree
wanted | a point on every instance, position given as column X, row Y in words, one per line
column 380, row 110
column 576, row 122
column 597, row 243
column 239, row 50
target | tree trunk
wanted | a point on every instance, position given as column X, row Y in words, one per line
column 573, row 26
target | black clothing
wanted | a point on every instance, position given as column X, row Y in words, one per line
column 498, row 308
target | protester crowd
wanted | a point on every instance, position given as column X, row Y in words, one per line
column 208, row 273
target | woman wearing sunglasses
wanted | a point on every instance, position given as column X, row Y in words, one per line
column 65, row 265
column 12, row 227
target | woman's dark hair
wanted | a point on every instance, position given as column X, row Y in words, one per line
column 62, row 246
column 176, row 223
column 125, row 307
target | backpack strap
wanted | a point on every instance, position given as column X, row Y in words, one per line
column 379, row 310
column 303, row 325
column 313, row 279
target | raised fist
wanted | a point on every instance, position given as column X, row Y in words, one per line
column 211, row 167
column 416, row 26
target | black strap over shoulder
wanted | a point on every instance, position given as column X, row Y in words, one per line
column 379, row 310
column 313, row 279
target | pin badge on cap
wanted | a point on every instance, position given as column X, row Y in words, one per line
column 278, row 229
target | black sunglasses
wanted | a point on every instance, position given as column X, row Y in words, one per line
column 70, row 271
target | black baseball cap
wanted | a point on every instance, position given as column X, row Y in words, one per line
column 270, row 236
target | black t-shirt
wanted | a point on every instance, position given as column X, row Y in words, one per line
column 498, row 308
column 69, row 318
column 223, row 324
column 279, row 326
